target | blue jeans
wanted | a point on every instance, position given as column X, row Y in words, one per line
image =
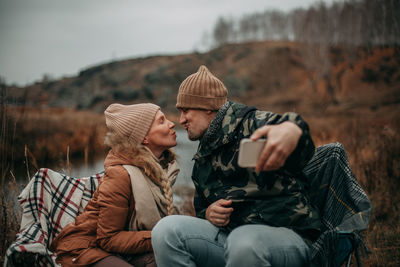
column 189, row 241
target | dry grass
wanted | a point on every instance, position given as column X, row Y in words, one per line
column 369, row 137
column 10, row 216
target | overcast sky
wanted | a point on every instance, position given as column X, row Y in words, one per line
column 61, row 37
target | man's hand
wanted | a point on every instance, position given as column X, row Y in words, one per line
column 282, row 139
column 219, row 212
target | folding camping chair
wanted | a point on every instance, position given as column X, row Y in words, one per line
column 344, row 207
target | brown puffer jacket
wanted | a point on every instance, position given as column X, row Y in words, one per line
column 102, row 229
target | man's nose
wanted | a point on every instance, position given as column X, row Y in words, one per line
column 182, row 118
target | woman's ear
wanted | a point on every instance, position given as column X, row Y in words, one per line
column 145, row 142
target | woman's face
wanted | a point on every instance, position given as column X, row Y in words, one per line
column 161, row 135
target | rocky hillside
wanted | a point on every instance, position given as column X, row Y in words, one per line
column 270, row 75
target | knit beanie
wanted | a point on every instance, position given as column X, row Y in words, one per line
column 201, row 90
column 132, row 121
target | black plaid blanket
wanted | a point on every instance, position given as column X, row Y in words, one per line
column 49, row 202
column 344, row 206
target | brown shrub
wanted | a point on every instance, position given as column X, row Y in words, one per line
column 46, row 135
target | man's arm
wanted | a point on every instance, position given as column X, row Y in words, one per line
column 288, row 143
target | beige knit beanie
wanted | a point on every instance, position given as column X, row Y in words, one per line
column 201, row 90
column 132, row 121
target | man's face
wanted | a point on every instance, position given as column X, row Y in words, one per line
column 196, row 121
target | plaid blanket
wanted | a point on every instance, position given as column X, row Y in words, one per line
column 52, row 200
column 49, row 202
column 344, row 207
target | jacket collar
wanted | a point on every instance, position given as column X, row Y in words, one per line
column 222, row 129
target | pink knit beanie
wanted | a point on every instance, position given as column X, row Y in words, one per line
column 132, row 121
column 201, row 90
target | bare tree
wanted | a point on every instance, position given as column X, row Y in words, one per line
column 351, row 22
column 223, row 31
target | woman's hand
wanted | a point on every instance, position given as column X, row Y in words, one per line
column 219, row 212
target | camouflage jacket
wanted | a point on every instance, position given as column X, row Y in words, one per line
column 276, row 198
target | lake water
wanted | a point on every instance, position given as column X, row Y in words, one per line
column 184, row 150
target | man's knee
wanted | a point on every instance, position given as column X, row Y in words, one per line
column 241, row 242
column 165, row 228
column 266, row 245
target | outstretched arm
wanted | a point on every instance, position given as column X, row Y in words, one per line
column 289, row 142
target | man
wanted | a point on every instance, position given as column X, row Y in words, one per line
column 244, row 216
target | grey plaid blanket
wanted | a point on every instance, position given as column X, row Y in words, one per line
column 343, row 205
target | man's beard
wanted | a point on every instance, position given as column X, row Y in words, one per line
column 193, row 137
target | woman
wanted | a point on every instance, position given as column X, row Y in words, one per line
column 135, row 192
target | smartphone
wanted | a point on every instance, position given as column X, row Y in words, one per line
column 249, row 151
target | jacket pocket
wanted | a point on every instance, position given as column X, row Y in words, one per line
column 72, row 245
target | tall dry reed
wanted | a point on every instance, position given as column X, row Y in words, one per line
column 10, row 215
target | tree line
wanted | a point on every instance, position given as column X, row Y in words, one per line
column 350, row 22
